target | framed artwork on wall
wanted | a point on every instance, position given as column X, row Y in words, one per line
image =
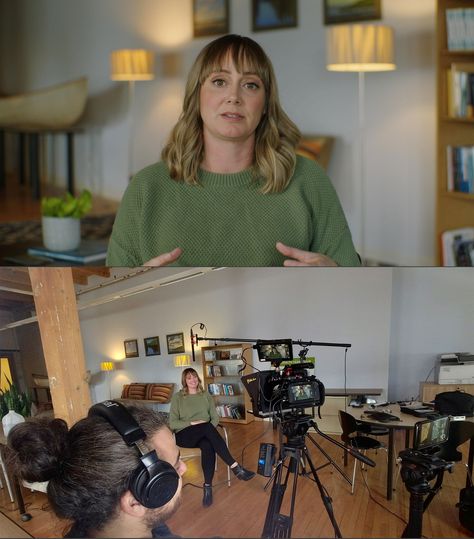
column 274, row 14
column 152, row 346
column 131, row 347
column 342, row 11
column 175, row 342
column 210, row 17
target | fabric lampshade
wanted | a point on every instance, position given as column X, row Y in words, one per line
column 131, row 64
column 360, row 47
column 183, row 360
column 107, row 366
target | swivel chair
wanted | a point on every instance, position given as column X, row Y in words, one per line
column 351, row 438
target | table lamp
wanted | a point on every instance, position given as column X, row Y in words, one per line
column 360, row 48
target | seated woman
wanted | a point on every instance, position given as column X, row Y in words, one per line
column 193, row 417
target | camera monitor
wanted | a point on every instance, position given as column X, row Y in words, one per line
column 300, row 393
column 275, row 350
column 430, row 433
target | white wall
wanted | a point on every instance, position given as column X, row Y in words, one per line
column 432, row 314
column 342, row 305
column 49, row 41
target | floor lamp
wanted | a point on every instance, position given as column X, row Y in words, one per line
column 360, row 48
column 131, row 65
column 107, row 367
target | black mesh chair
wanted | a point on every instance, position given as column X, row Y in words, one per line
column 351, row 438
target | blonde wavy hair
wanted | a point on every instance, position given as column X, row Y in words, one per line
column 183, row 380
column 276, row 136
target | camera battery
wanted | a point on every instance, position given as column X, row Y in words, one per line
column 266, row 459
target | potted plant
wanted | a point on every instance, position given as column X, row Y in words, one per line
column 61, row 220
column 14, row 407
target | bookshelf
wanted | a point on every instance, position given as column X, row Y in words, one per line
column 220, row 366
column 454, row 209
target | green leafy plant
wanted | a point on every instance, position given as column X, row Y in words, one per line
column 12, row 399
column 67, row 206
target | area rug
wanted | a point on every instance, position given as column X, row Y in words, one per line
column 92, row 227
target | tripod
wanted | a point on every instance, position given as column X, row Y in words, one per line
column 417, row 471
column 294, row 450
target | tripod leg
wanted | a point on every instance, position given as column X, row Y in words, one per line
column 330, row 460
column 276, row 499
column 326, row 499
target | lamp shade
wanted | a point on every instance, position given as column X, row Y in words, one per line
column 183, row 360
column 131, row 64
column 360, row 47
column 107, row 366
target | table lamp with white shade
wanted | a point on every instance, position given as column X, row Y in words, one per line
column 107, row 367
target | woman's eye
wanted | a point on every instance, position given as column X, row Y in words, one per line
column 251, row 86
column 218, row 82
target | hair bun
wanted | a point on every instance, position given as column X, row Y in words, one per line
column 38, row 448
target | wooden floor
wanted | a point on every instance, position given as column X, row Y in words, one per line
column 17, row 204
column 239, row 511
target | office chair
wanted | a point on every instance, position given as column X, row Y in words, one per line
column 191, row 452
column 350, row 428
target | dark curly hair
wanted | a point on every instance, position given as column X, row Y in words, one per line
column 88, row 466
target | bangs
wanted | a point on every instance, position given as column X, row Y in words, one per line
column 246, row 56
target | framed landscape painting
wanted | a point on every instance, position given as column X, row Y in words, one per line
column 152, row 346
column 342, row 11
column 210, row 17
column 175, row 342
column 131, row 347
column 274, row 14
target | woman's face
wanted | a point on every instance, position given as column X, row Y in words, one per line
column 232, row 104
column 192, row 381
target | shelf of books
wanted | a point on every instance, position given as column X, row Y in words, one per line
column 222, row 367
column 455, row 139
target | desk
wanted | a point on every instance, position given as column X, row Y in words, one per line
column 9, row 528
column 406, row 423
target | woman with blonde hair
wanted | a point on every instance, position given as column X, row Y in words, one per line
column 230, row 189
column 193, row 419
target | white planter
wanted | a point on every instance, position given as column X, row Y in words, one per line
column 61, row 233
column 10, row 420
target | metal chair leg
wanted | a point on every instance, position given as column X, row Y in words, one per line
column 7, row 480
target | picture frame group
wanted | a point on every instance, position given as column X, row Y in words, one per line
column 174, row 341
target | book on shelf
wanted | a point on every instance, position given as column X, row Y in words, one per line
column 460, row 29
column 457, row 247
column 460, row 169
column 87, row 252
column 209, row 355
column 460, row 90
column 233, row 411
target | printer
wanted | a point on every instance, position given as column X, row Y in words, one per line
column 456, row 368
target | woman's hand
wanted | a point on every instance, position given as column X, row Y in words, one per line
column 165, row 258
column 198, row 421
column 303, row 258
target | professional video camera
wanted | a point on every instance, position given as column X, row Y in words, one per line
column 286, row 388
column 421, row 465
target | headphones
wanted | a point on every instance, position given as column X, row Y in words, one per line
column 154, row 482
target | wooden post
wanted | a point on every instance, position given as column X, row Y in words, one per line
column 58, row 319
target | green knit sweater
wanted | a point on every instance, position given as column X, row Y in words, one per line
column 186, row 408
column 227, row 221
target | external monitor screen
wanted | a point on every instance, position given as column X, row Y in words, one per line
column 300, row 393
column 431, row 433
column 276, row 350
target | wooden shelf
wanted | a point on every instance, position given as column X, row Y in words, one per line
column 240, row 396
column 453, row 209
